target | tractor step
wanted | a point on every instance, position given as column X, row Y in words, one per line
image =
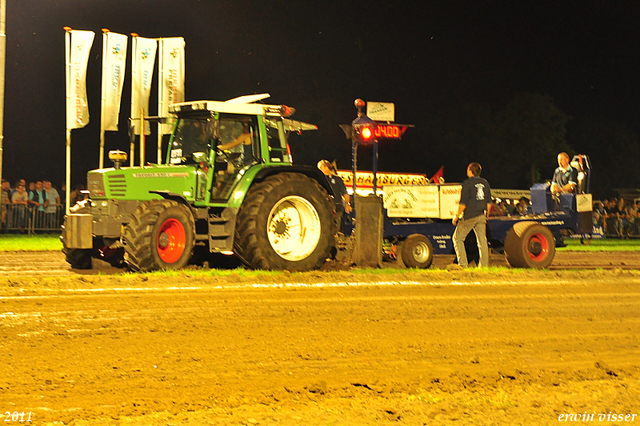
column 221, row 231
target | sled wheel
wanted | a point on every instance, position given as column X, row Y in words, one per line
column 160, row 235
column 530, row 245
column 286, row 223
column 416, row 251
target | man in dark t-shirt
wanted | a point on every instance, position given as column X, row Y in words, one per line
column 475, row 204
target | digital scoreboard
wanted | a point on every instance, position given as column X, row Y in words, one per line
column 389, row 131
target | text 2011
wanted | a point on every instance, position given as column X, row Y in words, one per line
column 17, row 416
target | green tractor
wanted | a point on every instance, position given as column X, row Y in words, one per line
column 228, row 186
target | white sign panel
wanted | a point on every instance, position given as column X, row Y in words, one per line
column 411, row 201
column 428, row 201
column 449, row 200
column 381, row 111
column 584, row 203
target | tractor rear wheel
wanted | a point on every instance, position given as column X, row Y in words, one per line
column 160, row 235
column 530, row 245
column 416, row 251
column 286, row 223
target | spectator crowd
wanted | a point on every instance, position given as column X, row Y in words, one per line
column 617, row 217
column 499, row 207
column 38, row 206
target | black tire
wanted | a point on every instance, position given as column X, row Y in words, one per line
column 160, row 235
column 530, row 245
column 77, row 258
column 416, row 251
column 272, row 211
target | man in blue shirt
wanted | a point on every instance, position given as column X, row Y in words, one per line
column 565, row 178
column 475, row 204
column 38, row 201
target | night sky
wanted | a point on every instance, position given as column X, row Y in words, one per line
column 436, row 60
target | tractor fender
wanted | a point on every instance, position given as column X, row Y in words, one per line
column 255, row 175
column 178, row 198
column 309, row 171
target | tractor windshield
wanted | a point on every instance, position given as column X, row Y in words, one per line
column 191, row 135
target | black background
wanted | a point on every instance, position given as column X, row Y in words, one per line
column 433, row 59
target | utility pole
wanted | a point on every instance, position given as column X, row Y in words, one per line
column 3, row 61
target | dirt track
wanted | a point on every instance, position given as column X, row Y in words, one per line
column 339, row 348
column 53, row 263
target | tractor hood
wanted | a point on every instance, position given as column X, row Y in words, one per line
column 134, row 183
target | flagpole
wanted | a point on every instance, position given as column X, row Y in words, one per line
column 68, row 152
column 143, row 146
column 160, row 95
column 103, row 101
column 3, row 61
column 134, row 72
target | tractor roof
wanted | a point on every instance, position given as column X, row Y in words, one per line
column 240, row 105
column 244, row 105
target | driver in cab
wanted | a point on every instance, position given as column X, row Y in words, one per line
column 244, row 139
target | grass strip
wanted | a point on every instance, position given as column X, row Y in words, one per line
column 16, row 242
column 51, row 242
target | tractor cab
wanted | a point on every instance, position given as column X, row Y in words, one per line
column 225, row 139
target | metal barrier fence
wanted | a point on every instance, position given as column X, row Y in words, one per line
column 17, row 218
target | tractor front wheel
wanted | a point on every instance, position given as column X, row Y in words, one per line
column 160, row 235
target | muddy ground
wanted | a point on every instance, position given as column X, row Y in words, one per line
column 323, row 348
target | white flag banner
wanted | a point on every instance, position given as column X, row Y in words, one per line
column 144, row 57
column 114, row 63
column 78, row 47
column 171, row 72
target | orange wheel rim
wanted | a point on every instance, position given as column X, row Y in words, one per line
column 538, row 247
column 171, row 241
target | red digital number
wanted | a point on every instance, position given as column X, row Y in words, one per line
column 388, row 132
